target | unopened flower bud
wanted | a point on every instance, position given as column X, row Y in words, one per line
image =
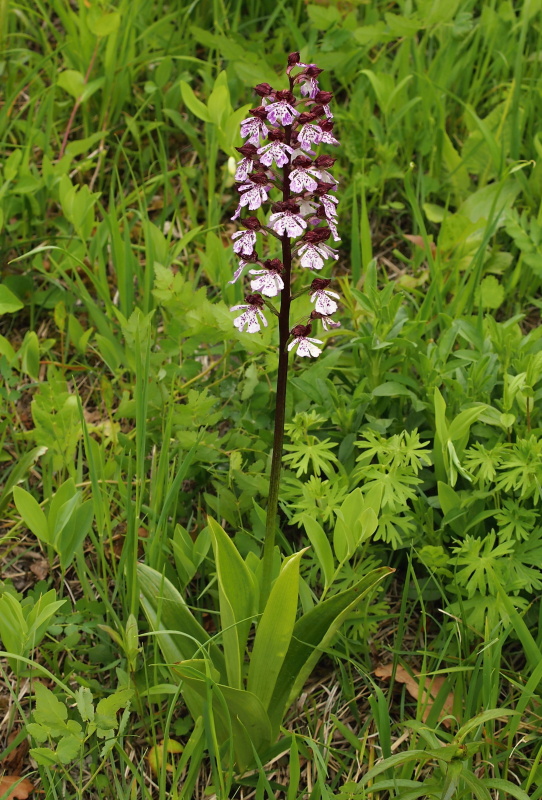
column 326, row 125
column 293, row 59
column 260, row 178
column 252, row 223
column 307, row 116
column 248, row 150
column 286, row 205
column 318, row 111
column 324, row 188
column 323, row 97
column 302, row 161
column 317, row 235
column 254, row 300
column 320, row 283
column 263, row 89
column 274, row 263
column 301, row 330
column 313, row 71
column 324, row 161
column 253, row 258
column 259, row 111
column 275, row 135
column 285, row 94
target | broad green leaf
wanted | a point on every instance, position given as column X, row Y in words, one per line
column 166, row 610
column 83, row 698
column 29, row 354
column 506, row 788
column 68, row 749
column 65, row 492
column 49, row 711
column 32, row 514
column 322, row 547
column 274, row 632
column 44, row 756
column 39, row 618
column 235, row 710
column 13, row 626
column 461, row 425
column 38, row 732
column 71, row 538
column 490, row 293
column 193, row 104
column 107, row 708
column 72, row 81
column 103, row 24
column 19, row 473
column 311, row 636
column 9, row 303
column 237, row 600
column 479, row 719
column 219, row 105
column 392, row 389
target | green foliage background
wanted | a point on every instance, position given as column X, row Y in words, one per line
column 131, row 407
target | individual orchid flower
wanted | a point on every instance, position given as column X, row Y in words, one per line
column 304, row 176
column 309, row 135
column 269, row 281
column 254, row 127
column 282, row 112
column 327, row 322
column 329, row 202
column 323, row 297
column 313, row 255
column 306, row 347
column 279, row 152
column 327, row 133
column 246, row 165
column 243, row 262
column 308, row 81
column 287, row 219
column 254, row 193
column 252, row 314
column 245, row 242
column 333, row 229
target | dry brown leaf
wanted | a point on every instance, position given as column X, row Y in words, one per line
column 419, row 242
column 416, row 690
column 18, row 788
column 14, row 761
column 40, row 568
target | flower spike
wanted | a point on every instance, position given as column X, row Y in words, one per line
column 279, row 156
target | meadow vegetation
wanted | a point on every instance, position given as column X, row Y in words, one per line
column 136, row 422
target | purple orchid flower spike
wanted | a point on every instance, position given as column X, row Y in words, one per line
column 280, row 166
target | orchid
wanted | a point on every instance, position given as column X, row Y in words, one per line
column 325, row 304
column 269, row 282
column 252, row 314
column 275, row 151
column 288, row 222
column 306, row 347
column 245, row 242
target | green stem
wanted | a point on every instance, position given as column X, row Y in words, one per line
column 280, row 403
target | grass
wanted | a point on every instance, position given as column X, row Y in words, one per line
column 127, row 394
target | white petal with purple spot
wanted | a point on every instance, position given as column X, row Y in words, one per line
column 245, row 243
column 324, row 302
column 306, row 347
column 249, row 318
column 269, row 282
